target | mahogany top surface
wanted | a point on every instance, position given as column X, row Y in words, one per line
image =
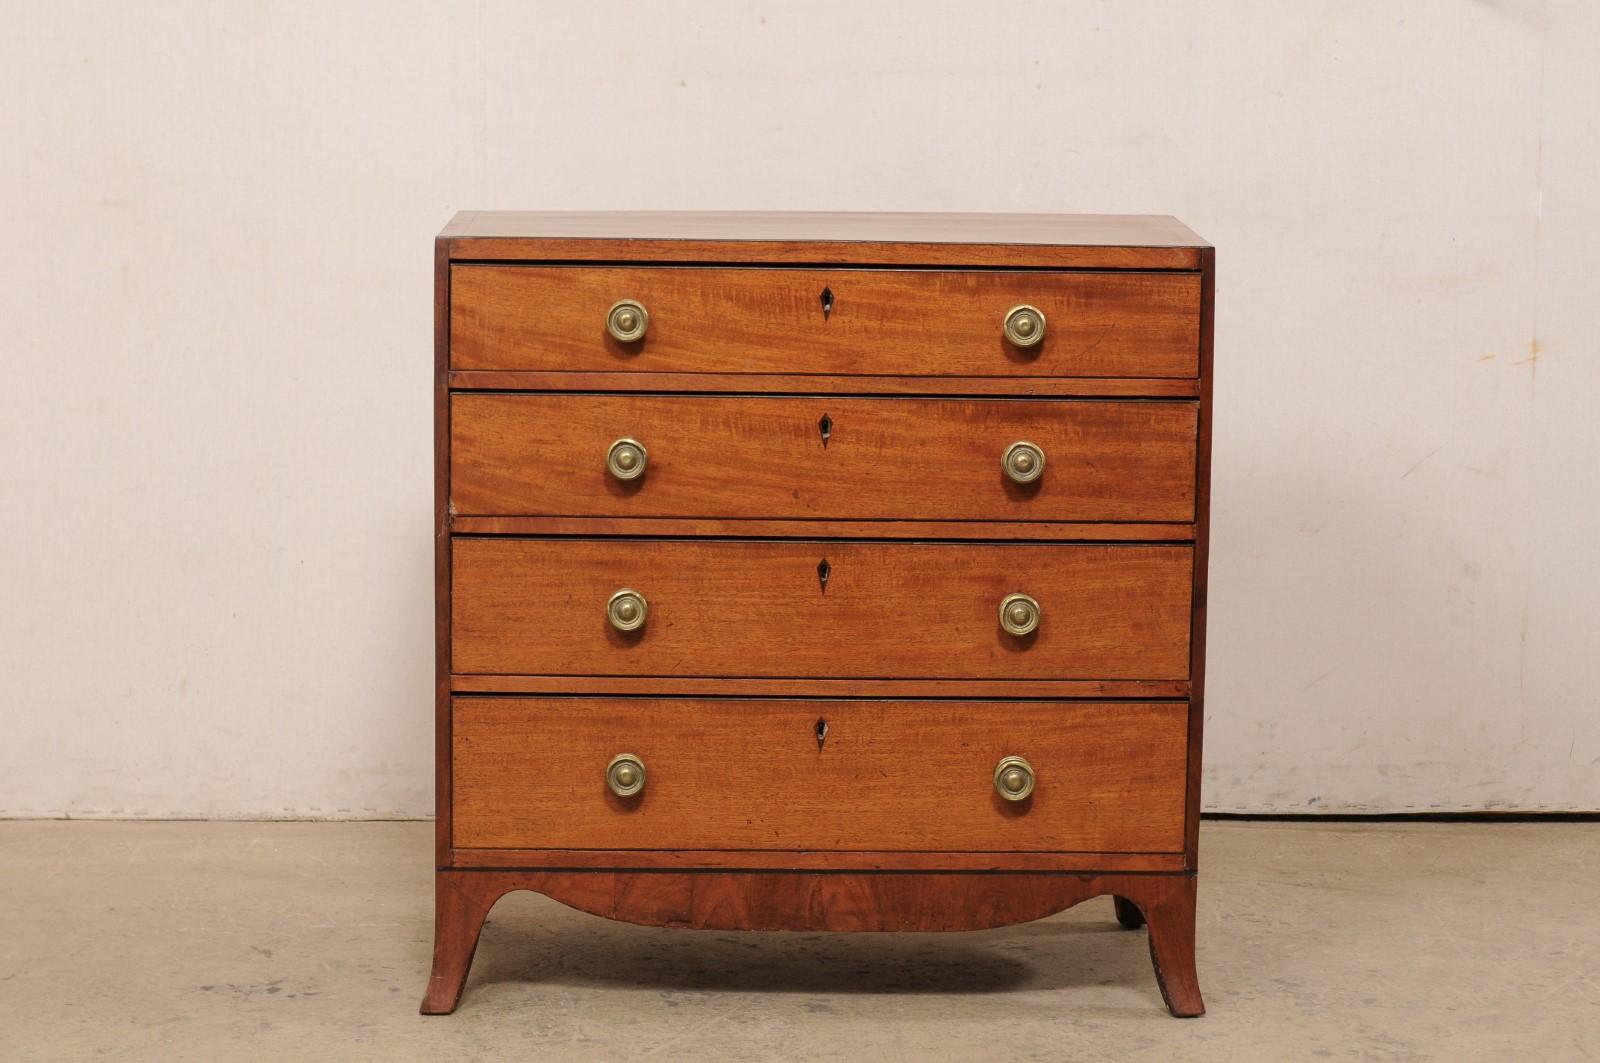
column 1151, row 241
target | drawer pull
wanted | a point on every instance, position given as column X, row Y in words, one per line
column 627, row 321
column 1024, row 326
column 626, row 459
column 1019, row 614
column 1013, row 778
column 627, row 610
column 625, row 775
column 1023, row 462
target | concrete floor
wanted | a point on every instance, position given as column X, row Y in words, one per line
column 305, row 941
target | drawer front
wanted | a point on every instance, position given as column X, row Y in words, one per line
column 889, row 776
column 885, row 458
column 885, row 610
column 886, row 322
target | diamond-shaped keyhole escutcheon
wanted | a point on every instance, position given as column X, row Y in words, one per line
column 825, row 428
column 827, row 303
column 823, row 571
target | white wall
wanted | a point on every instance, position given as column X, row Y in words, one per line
column 215, row 310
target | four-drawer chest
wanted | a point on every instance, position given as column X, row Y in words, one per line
column 821, row 571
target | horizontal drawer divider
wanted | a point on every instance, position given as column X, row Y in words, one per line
column 865, row 852
column 604, row 676
column 794, row 689
column 811, row 679
column 949, row 522
column 952, row 541
column 968, row 699
column 646, row 262
column 820, row 861
column 499, row 382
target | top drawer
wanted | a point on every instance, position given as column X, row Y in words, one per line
column 879, row 322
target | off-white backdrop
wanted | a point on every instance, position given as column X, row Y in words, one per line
column 215, row 310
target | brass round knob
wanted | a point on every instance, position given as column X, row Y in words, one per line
column 1013, row 778
column 1019, row 614
column 625, row 775
column 627, row 321
column 627, row 610
column 1023, row 462
column 626, row 459
column 1024, row 326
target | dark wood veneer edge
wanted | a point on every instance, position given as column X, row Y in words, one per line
column 843, row 690
column 867, row 861
column 441, row 548
column 805, row 385
column 573, row 526
column 710, row 254
column 1202, row 547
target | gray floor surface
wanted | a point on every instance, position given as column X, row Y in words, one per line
column 311, row 941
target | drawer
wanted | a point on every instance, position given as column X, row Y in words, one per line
column 720, row 608
column 530, row 773
column 885, row 322
column 822, row 457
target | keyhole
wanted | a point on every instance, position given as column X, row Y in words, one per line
column 825, row 426
column 823, row 569
column 822, row 732
column 827, row 303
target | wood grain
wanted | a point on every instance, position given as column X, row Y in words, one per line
column 461, row 903
column 676, row 686
column 730, row 320
column 820, row 384
column 882, row 459
column 809, row 860
column 1167, row 903
column 738, row 348
column 1202, row 548
column 1019, row 240
column 895, row 903
column 746, row 527
column 442, row 667
column 732, row 901
column 755, row 609
column 529, row 773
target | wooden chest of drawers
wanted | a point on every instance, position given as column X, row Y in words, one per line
column 821, row 572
